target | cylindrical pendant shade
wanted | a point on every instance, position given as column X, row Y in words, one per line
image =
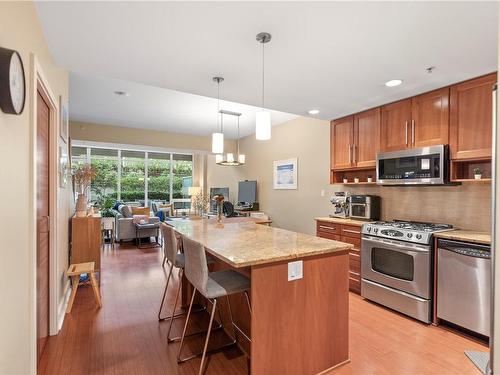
column 241, row 158
column 217, row 143
column 263, row 125
column 230, row 157
column 218, row 158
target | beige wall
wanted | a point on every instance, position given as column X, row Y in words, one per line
column 467, row 206
column 20, row 30
column 131, row 136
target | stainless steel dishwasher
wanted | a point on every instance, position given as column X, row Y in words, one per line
column 464, row 285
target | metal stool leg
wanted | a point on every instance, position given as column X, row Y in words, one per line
column 208, row 337
column 173, row 316
column 165, row 293
column 185, row 328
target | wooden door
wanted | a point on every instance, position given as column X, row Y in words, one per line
column 430, row 120
column 395, row 126
column 471, row 118
column 341, row 140
column 366, row 138
column 42, row 247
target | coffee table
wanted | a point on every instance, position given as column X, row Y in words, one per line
column 148, row 226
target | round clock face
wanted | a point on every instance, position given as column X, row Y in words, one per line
column 17, row 84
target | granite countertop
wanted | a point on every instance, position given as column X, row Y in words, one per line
column 342, row 220
column 466, row 235
column 243, row 244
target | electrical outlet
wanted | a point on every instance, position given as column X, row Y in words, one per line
column 295, row 271
column 322, row 193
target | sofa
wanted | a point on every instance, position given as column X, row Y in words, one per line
column 125, row 227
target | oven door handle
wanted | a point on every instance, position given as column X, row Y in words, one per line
column 403, row 248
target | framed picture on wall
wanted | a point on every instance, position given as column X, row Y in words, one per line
column 64, row 120
column 285, row 174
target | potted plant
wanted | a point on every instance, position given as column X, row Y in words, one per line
column 477, row 173
column 345, row 180
column 369, row 178
column 356, row 180
column 82, row 177
column 219, row 199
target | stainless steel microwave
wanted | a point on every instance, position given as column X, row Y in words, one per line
column 416, row 166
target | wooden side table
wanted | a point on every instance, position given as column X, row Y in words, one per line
column 75, row 271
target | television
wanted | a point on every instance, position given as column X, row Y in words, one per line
column 247, row 192
column 224, row 191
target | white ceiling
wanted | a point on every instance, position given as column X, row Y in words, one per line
column 334, row 56
column 92, row 99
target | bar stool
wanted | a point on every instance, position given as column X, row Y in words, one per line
column 212, row 286
column 176, row 259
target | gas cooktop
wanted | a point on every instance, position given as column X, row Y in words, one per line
column 409, row 231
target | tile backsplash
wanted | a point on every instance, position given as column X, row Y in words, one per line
column 466, row 206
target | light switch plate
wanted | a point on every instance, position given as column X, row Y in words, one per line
column 295, row 271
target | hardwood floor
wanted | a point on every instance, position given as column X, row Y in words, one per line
column 125, row 337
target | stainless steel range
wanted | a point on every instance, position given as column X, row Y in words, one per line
column 396, row 265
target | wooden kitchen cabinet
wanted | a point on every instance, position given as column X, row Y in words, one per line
column 430, row 118
column 471, row 118
column 415, row 122
column 366, row 134
column 341, row 137
column 395, row 126
column 350, row 234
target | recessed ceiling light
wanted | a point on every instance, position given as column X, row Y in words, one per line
column 121, row 93
column 313, row 111
column 393, row 82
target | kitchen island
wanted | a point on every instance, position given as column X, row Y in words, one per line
column 296, row 327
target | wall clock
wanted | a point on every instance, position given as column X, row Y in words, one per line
column 12, row 82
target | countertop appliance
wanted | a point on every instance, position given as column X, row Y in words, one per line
column 340, row 202
column 464, row 285
column 396, row 265
column 365, row 207
column 416, row 166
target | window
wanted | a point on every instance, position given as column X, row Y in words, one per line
column 133, row 177
column 105, row 184
column 159, row 177
column 137, row 177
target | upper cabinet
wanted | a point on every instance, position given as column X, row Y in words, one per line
column 355, row 140
column 458, row 115
column 366, row 132
column 341, row 136
column 429, row 118
column 394, row 126
column 471, row 118
column 416, row 122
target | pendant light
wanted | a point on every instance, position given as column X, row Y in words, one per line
column 263, row 117
column 231, row 159
column 218, row 138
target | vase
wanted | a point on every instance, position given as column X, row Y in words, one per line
column 477, row 176
column 81, row 205
column 219, row 212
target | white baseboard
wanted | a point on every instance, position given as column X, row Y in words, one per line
column 61, row 311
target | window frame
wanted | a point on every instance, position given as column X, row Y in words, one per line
column 97, row 145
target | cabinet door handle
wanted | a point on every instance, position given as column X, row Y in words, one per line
column 326, row 227
column 350, row 154
column 354, row 154
column 350, row 231
column 413, row 132
column 406, row 132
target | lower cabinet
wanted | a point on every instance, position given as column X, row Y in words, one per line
column 350, row 234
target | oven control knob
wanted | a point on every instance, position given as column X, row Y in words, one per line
column 369, row 229
column 419, row 236
column 375, row 230
column 409, row 235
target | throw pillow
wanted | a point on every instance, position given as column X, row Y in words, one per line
column 126, row 211
column 140, row 211
column 139, row 218
column 117, row 205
